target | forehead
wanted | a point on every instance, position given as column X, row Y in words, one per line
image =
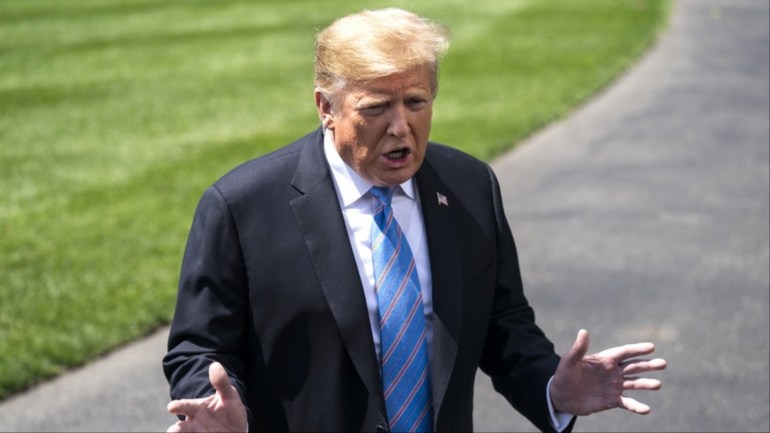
column 414, row 80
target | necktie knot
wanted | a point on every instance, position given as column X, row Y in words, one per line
column 383, row 194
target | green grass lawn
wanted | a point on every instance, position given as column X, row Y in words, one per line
column 116, row 114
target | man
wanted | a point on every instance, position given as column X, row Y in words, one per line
column 291, row 312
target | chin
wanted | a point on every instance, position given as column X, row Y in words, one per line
column 395, row 180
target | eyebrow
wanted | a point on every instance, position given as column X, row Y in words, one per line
column 371, row 102
column 376, row 94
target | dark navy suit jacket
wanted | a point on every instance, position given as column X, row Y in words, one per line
column 269, row 288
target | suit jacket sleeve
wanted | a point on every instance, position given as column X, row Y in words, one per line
column 517, row 355
column 209, row 322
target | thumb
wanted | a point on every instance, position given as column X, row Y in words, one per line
column 579, row 348
column 221, row 382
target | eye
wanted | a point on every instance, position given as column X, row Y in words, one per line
column 416, row 104
column 373, row 110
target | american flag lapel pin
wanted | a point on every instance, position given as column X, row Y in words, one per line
column 442, row 199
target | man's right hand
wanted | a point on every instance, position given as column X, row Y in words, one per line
column 222, row 411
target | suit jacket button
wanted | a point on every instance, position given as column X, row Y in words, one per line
column 382, row 429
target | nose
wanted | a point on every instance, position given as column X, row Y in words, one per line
column 398, row 125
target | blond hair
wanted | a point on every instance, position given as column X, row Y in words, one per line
column 376, row 43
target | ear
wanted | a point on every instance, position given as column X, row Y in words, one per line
column 324, row 107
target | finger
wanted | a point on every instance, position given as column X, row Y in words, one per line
column 634, row 406
column 221, row 382
column 641, row 384
column 185, row 407
column 627, row 351
column 579, row 347
column 175, row 428
column 637, row 366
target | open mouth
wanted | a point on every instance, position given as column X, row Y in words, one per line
column 397, row 155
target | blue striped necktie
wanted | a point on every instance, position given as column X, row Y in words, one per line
column 404, row 351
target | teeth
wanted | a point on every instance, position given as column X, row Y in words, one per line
column 396, row 155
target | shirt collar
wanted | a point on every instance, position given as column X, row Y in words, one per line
column 350, row 185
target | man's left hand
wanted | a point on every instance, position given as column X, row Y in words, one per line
column 585, row 384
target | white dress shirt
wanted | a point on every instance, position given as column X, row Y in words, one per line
column 358, row 208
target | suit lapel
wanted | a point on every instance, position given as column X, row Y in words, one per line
column 318, row 215
column 446, row 276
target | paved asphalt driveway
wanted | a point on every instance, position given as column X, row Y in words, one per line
column 643, row 216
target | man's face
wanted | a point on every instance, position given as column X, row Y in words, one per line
column 381, row 128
